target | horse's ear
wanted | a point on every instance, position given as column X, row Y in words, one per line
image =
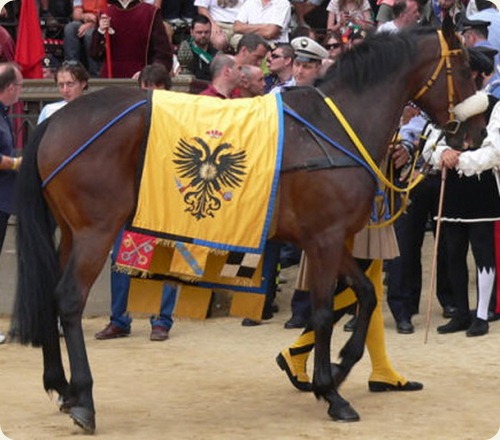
column 448, row 29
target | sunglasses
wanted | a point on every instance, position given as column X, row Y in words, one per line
column 332, row 46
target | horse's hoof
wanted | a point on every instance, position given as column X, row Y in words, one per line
column 344, row 413
column 65, row 404
column 338, row 374
column 340, row 410
column 84, row 418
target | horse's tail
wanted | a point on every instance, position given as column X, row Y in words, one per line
column 38, row 267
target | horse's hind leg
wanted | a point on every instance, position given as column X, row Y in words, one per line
column 54, row 378
column 352, row 351
column 85, row 262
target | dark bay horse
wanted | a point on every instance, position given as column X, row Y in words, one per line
column 320, row 209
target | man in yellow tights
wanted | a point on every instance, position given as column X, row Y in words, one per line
column 293, row 360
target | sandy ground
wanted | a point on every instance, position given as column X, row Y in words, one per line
column 218, row 380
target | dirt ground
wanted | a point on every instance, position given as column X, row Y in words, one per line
column 218, row 380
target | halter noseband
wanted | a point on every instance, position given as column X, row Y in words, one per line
column 453, row 124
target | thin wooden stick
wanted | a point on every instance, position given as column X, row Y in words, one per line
column 434, row 257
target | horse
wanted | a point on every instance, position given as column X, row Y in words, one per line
column 91, row 192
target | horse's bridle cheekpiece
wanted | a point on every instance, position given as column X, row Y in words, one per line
column 454, row 121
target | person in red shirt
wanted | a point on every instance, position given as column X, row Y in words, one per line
column 225, row 77
column 137, row 38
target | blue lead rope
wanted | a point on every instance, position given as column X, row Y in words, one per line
column 339, row 147
column 91, row 140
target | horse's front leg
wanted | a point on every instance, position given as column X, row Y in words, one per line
column 363, row 288
column 323, row 267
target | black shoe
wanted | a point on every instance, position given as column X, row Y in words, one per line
column 492, row 316
column 449, row 312
column 247, row 322
column 377, row 387
column 405, row 327
column 275, row 308
column 350, row 325
column 295, row 322
column 479, row 327
column 456, row 324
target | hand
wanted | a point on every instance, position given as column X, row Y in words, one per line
column 449, row 158
column 104, row 23
column 399, row 156
column 82, row 30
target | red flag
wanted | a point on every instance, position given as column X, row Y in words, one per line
column 29, row 46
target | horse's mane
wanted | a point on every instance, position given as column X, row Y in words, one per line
column 374, row 60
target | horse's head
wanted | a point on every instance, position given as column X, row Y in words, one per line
column 450, row 96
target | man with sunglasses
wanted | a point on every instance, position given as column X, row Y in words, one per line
column 280, row 65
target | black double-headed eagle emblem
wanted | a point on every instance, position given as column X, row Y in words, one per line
column 210, row 173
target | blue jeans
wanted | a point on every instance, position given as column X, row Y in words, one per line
column 78, row 49
column 120, row 284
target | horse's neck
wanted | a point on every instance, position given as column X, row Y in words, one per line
column 373, row 115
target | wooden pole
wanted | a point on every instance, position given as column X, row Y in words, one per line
column 434, row 258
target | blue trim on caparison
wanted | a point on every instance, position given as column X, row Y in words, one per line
column 323, row 136
column 83, row 147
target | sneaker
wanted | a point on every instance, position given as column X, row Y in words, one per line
column 2, row 338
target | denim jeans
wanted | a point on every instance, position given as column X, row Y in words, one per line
column 78, row 49
column 120, row 284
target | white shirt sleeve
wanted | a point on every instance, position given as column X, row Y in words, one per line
column 434, row 146
column 243, row 13
column 202, row 3
column 488, row 155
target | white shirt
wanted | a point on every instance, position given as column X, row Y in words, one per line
column 388, row 26
column 276, row 12
column 471, row 162
column 219, row 13
column 50, row 109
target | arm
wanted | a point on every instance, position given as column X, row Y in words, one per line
column 331, row 23
column 488, row 156
column 218, row 37
column 268, row 31
column 9, row 163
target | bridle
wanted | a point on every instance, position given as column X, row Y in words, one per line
column 453, row 124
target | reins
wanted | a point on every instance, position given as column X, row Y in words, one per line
column 83, row 147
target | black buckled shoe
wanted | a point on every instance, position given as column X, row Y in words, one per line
column 405, row 327
column 456, row 324
column 296, row 322
column 296, row 373
column 479, row 327
column 378, row 387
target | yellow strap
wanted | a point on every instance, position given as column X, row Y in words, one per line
column 366, row 156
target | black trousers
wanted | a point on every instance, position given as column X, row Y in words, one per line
column 458, row 236
column 404, row 274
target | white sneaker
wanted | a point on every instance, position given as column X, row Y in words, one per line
column 2, row 338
